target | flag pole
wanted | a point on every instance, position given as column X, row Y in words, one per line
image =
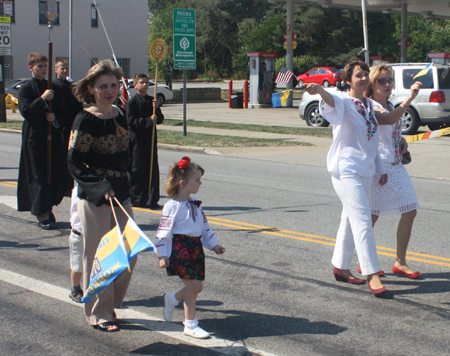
column 129, row 217
column 155, row 98
column 157, row 51
column 52, row 13
column 49, row 103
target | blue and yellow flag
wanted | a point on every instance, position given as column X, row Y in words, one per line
column 279, row 99
column 110, row 260
column 135, row 240
column 423, row 71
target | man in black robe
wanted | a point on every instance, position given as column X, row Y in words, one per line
column 64, row 84
column 34, row 193
column 140, row 121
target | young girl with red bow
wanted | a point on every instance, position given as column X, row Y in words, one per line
column 182, row 233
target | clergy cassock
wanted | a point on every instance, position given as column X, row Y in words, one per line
column 33, row 192
column 139, row 111
column 73, row 107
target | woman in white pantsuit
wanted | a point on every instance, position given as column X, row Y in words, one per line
column 353, row 160
column 398, row 195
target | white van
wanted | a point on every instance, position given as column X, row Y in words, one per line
column 429, row 108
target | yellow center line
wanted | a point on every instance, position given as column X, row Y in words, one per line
column 9, row 184
column 312, row 238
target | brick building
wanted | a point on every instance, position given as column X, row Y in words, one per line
column 126, row 22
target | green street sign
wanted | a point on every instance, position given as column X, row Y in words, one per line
column 185, row 65
column 184, row 48
column 183, row 22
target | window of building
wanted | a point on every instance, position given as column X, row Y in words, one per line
column 7, row 9
column 124, row 63
column 94, row 16
column 43, row 20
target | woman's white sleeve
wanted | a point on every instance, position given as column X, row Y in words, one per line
column 379, row 165
column 334, row 115
column 163, row 240
column 209, row 239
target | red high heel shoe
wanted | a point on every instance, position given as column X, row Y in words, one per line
column 340, row 277
column 380, row 273
column 413, row 275
column 378, row 291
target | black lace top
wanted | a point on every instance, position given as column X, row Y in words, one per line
column 99, row 157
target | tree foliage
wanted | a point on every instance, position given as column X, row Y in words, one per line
column 229, row 29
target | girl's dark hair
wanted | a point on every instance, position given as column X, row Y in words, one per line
column 81, row 91
column 348, row 69
column 176, row 174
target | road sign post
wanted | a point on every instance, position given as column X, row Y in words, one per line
column 5, row 50
column 184, row 44
column 184, row 48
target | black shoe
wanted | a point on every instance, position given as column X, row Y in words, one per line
column 51, row 217
column 155, row 207
column 45, row 225
column 76, row 295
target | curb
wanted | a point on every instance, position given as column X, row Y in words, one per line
column 11, row 130
column 208, row 151
column 163, row 146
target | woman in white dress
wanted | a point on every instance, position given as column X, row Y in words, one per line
column 353, row 160
column 398, row 195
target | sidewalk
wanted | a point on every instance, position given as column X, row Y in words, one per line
column 429, row 157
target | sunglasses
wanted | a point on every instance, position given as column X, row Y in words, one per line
column 383, row 81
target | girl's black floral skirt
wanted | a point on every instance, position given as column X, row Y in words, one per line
column 187, row 259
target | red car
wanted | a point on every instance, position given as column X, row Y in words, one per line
column 324, row 76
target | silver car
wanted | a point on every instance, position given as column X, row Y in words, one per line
column 430, row 107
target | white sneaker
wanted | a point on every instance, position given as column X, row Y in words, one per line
column 168, row 308
column 197, row 332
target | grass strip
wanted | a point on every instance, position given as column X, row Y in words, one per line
column 302, row 131
column 206, row 140
column 13, row 125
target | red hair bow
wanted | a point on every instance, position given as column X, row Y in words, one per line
column 184, row 162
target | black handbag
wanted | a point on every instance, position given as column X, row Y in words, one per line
column 406, row 158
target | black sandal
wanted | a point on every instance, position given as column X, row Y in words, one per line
column 105, row 327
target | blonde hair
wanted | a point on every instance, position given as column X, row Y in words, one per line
column 374, row 74
column 176, row 174
column 103, row 67
column 61, row 62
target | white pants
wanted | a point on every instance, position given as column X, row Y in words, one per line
column 356, row 224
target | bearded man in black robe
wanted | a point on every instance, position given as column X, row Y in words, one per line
column 34, row 193
column 140, row 121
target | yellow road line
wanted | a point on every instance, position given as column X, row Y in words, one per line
column 9, row 184
column 312, row 238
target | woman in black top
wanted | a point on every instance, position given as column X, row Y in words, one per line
column 99, row 158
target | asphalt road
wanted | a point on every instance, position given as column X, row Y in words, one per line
column 271, row 293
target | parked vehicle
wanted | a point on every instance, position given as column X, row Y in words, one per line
column 12, row 86
column 164, row 92
column 324, row 76
column 429, row 108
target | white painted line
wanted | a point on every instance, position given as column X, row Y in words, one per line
column 9, row 200
column 223, row 346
